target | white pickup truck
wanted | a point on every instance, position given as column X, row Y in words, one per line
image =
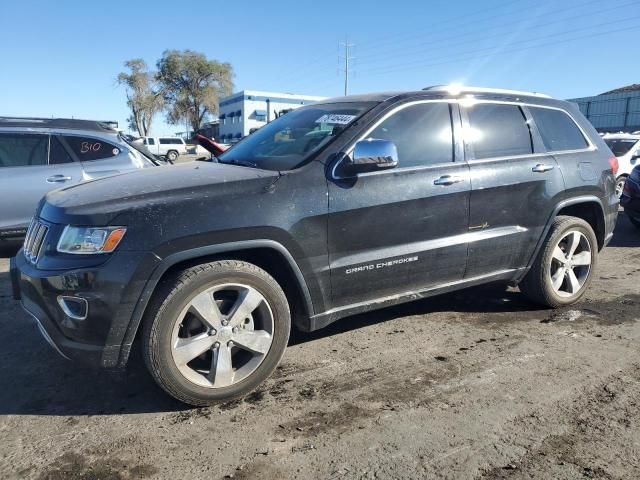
column 170, row 147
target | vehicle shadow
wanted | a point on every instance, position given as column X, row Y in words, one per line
column 492, row 298
column 625, row 234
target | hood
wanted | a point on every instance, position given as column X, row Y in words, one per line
column 209, row 145
column 98, row 202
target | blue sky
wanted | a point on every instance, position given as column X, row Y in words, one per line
column 62, row 58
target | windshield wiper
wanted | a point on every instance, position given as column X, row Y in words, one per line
column 242, row 163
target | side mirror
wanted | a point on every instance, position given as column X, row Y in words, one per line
column 371, row 155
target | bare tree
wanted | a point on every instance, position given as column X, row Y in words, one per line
column 192, row 85
column 144, row 95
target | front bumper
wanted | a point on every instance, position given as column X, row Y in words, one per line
column 111, row 291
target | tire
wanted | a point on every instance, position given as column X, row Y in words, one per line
column 172, row 155
column 620, row 185
column 634, row 221
column 182, row 320
column 538, row 285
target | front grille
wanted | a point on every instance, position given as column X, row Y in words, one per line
column 34, row 241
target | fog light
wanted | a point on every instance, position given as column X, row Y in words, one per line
column 74, row 307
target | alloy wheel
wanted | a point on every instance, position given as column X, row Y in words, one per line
column 619, row 186
column 570, row 264
column 222, row 335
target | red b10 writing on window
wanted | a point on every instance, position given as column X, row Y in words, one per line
column 86, row 147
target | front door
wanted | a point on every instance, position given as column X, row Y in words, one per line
column 29, row 168
column 402, row 230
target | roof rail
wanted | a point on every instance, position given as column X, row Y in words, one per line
column 456, row 89
column 63, row 123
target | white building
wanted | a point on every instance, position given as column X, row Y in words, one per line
column 246, row 111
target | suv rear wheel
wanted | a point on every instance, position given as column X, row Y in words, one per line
column 216, row 332
column 172, row 155
column 564, row 267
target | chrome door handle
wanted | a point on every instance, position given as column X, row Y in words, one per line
column 448, row 180
column 58, row 179
column 542, row 167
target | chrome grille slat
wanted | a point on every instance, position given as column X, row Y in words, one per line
column 34, row 241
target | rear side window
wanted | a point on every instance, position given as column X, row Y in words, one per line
column 558, row 131
column 422, row 133
column 57, row 152
column 170, row 141
column 23, row 150
column 91, row 148
column 498, row 131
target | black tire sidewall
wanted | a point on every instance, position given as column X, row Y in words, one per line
column 584, row 228
column 159, row 347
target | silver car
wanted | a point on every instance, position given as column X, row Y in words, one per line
column 38, row 155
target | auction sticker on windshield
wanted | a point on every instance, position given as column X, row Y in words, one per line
column 336, row 119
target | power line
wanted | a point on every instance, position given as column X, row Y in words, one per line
column 454, row 19
column 346, row 58
column 474, row 56
column 618, row 21
column 400, row 52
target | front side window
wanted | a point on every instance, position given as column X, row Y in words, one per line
column 497, row 130
column 558, row 131
column 23, row 150
column 291, row 139
column 620, row 146
column 87, row 148
column 422, row 134
column 151, row 141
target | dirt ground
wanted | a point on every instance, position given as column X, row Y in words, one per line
column 476, row 384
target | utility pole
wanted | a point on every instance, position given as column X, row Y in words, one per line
column 347, row 58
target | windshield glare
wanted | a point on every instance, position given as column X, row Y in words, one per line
column 288, row 141
column 620, row 146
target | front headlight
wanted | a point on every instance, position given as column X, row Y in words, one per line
column 88, row 240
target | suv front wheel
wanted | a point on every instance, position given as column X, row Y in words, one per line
column 216, row 331
column 564, row 266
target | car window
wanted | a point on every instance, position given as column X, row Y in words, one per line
column 170, row 141
column 87, row 148
column 23, row 149
column 620, row 146
column 151, row 141
column 558, row 131
column 422, row 134
column 498, row 131
column 57, row 152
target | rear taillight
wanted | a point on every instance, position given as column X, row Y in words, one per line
column 613, row 161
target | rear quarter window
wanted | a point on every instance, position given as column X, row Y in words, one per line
column 91, row 148
column 558, row 130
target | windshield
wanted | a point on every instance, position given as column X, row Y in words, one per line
column 620, row 146
column 288, row 141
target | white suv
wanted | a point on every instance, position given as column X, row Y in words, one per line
column 626, row 147
column 169, row 147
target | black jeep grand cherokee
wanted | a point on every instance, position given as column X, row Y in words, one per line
column 336, row 208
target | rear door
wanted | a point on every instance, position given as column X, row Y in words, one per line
column 31, row 164
column 403, row 229
column 514, row 186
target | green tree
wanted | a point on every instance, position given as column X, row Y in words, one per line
column 144, row 96
column 192, row 85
